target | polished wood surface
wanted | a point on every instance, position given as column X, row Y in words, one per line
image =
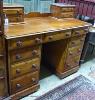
column 40, row 25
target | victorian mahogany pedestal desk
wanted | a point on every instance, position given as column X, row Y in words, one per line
column 56, row 43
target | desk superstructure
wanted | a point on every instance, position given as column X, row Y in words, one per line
column 60, row 41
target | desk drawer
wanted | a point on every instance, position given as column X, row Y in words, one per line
column 56, row 36
column 67, row 15
column 74, row 51
column 80, row 31
column 2, row 86
column 2, row 66
column 1, row 44
column 75, row 41
column 24, row 42
column 26, row 53
column 67, row 9
column 24, row 82
column 13, row 11
column 25, row 67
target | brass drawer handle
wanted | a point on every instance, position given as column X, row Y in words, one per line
column 2, row 78
column 34, row 52
column 18, row 56
column 18, row 86
column 33, row 80
column 18, row 71
column 19, row 43
column 38, row 40
column 50, row 37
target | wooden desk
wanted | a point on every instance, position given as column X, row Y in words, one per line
column 60, row 41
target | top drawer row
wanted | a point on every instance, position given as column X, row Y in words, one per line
column 68, row 9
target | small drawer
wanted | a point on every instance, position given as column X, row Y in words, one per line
column 74, row 51
column 13, row 11
column 75, row 41
column 67, row 15
column 56, row 36
column 80, row 31
column 1, row 44
column 24, row 67
column 24, row 82
column 2, row 86
column 24, row 42
column 26, row 53
column 68, row 9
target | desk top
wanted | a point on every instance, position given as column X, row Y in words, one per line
column 41, row 25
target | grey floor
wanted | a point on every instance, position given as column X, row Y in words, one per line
column 53, row 81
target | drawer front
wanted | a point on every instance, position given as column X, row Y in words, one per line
column 80, row 31
column 24, row 82
column 56, row 36
column 25, row 67
column 67, row 15
column 24, row 42
column 74, row 51
column 75, row 41
column 68, row 9
column 71, row 62
column 1, row 44
column 2, row 86
column 22, row 54
column 13, row 11
column 1, row 66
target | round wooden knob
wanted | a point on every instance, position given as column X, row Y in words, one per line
column 33, row 80
column 70, row 53
column 18, row 56
column 18, row 86
column 50, row 37
column 34, row 66
column 19, row 43
column 1, row 78
column 79, row 50
column 73, row 42
column 34, row 52
column 77, row 32
column 38, row 40
column 67, row 34
column 18, row 71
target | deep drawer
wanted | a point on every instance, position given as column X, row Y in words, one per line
column 24, row 67
column 26, row 53
column 24, row 82
column 67, row 15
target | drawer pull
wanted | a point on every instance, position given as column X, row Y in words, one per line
column 33, row 80
column 2, row 78
column 79, row 50
column 34, row 66
column 38, row 40
column 73, row 42
column 50, row 37
column 70, row 53
column 18, row 56
column 18, row 86
column 67, row 34
column 82, row 40
column 18, row 71
column 19, row 43
column 77, row 32
column 34, row 52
